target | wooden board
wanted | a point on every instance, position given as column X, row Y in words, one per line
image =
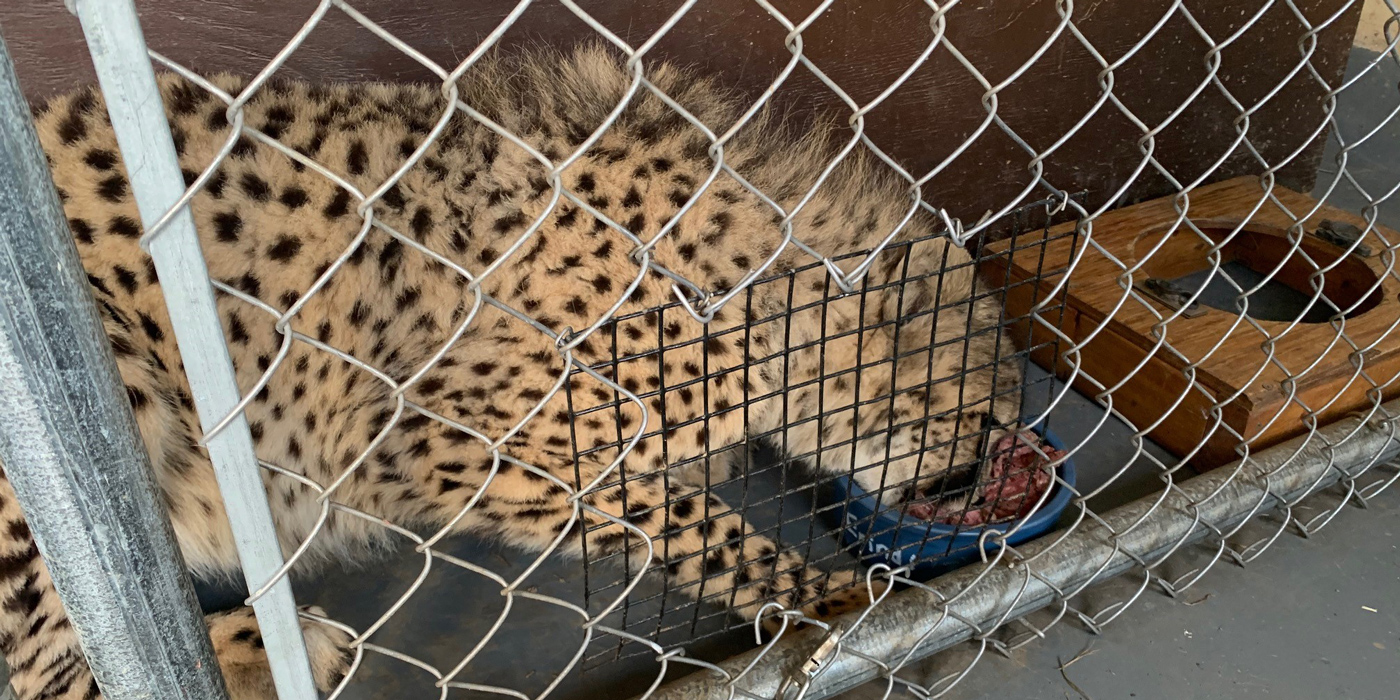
column 1244, row 367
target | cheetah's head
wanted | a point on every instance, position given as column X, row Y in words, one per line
column 946, row 461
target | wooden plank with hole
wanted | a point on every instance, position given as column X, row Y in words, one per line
column 1265, row 380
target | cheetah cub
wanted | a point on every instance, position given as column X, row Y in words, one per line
column 873, row 383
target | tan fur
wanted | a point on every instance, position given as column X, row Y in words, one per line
column 269, row 229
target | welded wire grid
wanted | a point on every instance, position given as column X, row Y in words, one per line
column 766, row 479
column 603, row 612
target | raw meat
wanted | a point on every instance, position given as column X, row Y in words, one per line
column 1013, row 485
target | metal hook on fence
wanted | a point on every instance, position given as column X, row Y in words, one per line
column 800, row 681
column 954, row 227
column 694, row 309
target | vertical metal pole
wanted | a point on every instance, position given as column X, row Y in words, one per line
column 6, row 691
column 118, row 50
column 72, row 452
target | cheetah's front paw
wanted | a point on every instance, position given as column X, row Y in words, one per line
column 239, row 647
column 851, row 594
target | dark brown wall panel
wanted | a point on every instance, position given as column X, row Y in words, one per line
column 863, row 47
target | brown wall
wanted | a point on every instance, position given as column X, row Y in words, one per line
column 862, row 45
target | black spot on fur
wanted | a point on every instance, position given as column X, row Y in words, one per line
column 227, row 226
column 100, row 159
column 408, row 298
column 72, row 129
column 255, row 187
column 274, row 130
column 338, row 206
column 126, row 278
column 101, row 286
column 237, row 332
column 683, row 510
column 280, row 113
column 391, row 255
column 497, row 196
column 215, row 186
column 357, row 159
column 422, row 223
column 243, row 147
column 394, row 197
column 358, row 314
column 152, row 329
column 113, row 188
column 293, row 197
column 567, row 218
column 186, row 98
column 124, row 226
column 510, row 221
column 285, row 248
column 82, row 230
column 178, row 139
column 217, row 121
column 249, row 285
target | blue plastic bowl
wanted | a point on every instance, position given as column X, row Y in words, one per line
column 934, row 548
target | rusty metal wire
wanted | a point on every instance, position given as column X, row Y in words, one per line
column 1236, row 514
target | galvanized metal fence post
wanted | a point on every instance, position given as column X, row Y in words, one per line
column 71, row 449
column 6, row 692
column 119, row 54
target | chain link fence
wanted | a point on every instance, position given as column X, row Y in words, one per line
column 760, row 436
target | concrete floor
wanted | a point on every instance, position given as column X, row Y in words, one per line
column 1291, row 625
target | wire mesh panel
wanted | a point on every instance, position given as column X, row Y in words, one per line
column 723, row 370
column 762, row 479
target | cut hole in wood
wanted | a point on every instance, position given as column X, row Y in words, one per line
column 1255, row 254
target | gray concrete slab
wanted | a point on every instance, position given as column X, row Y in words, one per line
column 1311, row 618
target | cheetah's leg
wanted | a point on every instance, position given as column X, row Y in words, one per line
column 47, row 663
column 239, row 647
column 706, row 549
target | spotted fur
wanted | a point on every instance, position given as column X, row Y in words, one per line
column 795, row 356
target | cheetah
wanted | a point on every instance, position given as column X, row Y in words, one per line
column 887, row 384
